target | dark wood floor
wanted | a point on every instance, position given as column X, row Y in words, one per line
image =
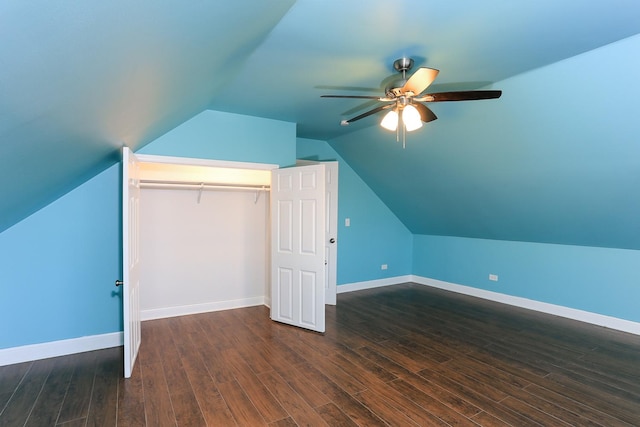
column 403, row 355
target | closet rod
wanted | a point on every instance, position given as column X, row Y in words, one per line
column 201, row 185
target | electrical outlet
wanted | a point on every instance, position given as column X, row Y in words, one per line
column 383, row 267
column 493, row 277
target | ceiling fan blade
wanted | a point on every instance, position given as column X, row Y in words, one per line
column 426, row 115
column 420, row 80
column 367, row 114
column 469, row 95
column 351, row 96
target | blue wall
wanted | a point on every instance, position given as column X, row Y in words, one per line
column 59, row 265
column 375, row 236
column 226, row 136
column 599, row 280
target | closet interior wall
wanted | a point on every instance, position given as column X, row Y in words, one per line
column 201, row 256
column 202, row 247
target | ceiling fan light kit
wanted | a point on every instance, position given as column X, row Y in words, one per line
column 405, row 99
column 390, row 121
column 411, row 118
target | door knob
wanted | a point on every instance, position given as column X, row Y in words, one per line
column 119, row 282
column 332, row 240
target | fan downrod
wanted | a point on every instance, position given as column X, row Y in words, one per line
column 403, row 65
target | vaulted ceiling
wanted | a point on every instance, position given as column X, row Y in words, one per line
column 555, row 160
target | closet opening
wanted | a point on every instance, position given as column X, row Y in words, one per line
column 204, row 236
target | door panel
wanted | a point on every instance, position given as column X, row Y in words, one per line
column 298, row 230
column 331, row 228
column 130, row 258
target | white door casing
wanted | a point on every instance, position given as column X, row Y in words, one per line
column 331, row 237
column 297, row 246
column 130, row 258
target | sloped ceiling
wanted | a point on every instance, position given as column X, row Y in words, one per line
column 78, row 80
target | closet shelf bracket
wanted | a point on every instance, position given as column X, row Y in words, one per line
column 257, row 195
column 200, row 192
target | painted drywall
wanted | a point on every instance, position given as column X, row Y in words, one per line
column 598, row 280
column 59, row 266
column 555, row 160
column 375, row 236
column 226, row 136
column 201, row 250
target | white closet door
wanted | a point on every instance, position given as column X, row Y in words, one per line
column 298, row 246
column 130, row 258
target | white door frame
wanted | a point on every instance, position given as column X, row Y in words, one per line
column 131, row 311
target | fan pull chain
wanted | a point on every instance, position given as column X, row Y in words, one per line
column 404, row 137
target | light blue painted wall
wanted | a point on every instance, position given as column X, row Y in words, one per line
column 59, row 264
column 375, row 236
column 226, row 136
column 598, row 280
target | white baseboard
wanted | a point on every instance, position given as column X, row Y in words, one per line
column 556, row 310
column 358, row 286
column 183, row 310
column 543, row 307
column 27, row 353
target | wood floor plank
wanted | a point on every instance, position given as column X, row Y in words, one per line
column 345, row 353
column 430, row 404
column 183, row 400
column 212, row 406
column 301, row 412
column 286, row 422
column 78, row 397
column 574, row 406
column 333, row 416
column 10, row 378
column 19, row 407
column 599, row 399
column 262, row 398
column 338, row 375
column 131, row 411
column 241, row 407
column 485, row 419
column 450, row 397
column 400, row 355
column 157, row 401
column 300, row 383
column 47, row 408
column 103, row 406
column 475, row 395
column 359, row 413
column 386, row 411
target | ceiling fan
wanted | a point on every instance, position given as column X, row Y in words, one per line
column 404, row 98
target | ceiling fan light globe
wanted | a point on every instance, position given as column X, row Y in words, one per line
column 411, row 118
column 390, row 120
